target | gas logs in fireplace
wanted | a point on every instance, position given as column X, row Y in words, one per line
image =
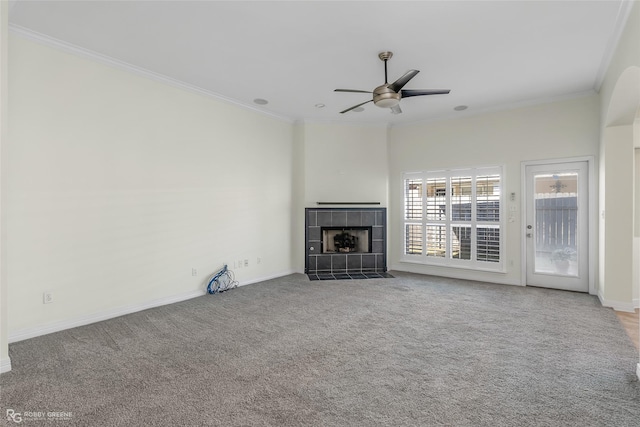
column 346, row 240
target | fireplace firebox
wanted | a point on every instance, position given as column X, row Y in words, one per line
column 344, row 240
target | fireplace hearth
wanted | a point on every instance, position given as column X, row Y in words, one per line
column 344, row 242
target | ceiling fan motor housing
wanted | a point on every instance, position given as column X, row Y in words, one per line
column 384, row 97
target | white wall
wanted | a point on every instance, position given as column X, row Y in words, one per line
column 5, row 362
column 298, row 224
column 636, row 227
column 345, row 163
column 119, row 185
column 556, row 130
column 636, row 183
column 616, row 287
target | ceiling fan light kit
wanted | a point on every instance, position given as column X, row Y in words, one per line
column 384, row 97
column 389, row 95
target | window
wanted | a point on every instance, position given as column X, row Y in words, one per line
column 454, row 217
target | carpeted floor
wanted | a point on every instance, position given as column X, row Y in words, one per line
column 412, row 350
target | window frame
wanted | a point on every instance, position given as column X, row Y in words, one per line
column 449, row 223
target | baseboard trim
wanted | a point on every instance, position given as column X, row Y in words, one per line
column 28, row 333
column 270, row 277
column 5, row 365
column 629, row 307
column 496, row 277
column 37, row 331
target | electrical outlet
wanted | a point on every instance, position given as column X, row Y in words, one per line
column 47, row 297
column 194, row 272
column 239, row 263
column 246, row 263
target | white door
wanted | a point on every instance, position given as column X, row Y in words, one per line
column 557, row 229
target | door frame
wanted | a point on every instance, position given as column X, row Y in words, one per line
column 592, row 215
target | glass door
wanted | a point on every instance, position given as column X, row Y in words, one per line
column 557, row 226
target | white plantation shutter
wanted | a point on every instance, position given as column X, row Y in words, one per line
column 413, row 209
column 488, row 217
column 436, row 198
column 454, row 217
column 436, row 240
column 413, row 199
column 413, row 239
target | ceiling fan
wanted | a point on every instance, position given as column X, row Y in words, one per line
column 389, row 95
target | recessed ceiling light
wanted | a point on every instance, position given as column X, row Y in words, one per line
column 460, row 108
column 358, row 110
column 261, row 101
column 320, row 105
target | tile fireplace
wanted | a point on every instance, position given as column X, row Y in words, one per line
column 345, row 241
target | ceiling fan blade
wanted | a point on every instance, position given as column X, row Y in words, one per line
column 355, row 106
column 399, row 84
column 419, row 92
column 396, row 109
column 352, row 90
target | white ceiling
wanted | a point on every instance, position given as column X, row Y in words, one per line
column 491, row 54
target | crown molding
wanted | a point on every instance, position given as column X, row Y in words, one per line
column 501, row 107
column 621, row 20
column 353, row 123
column 115, row 63
column 454, row 115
